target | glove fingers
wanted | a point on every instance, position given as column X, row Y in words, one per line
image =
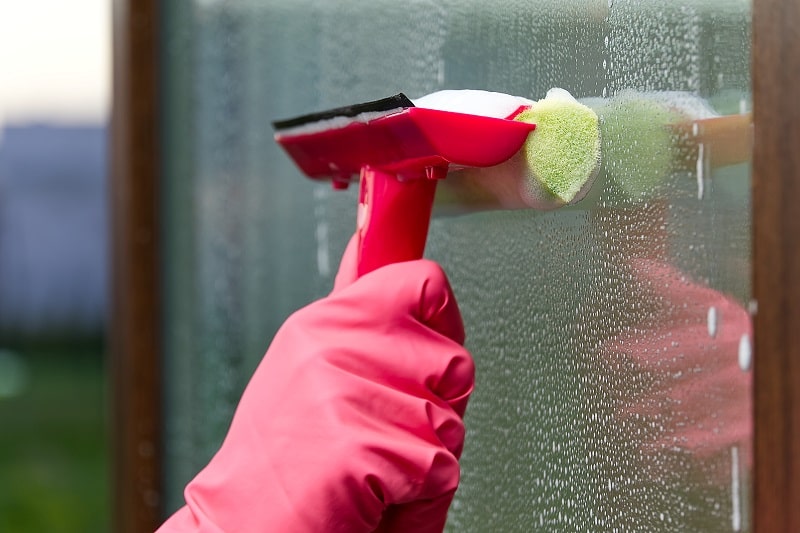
column 415, row 302
column 390, row 294
column 437, row 303
column 420, row 287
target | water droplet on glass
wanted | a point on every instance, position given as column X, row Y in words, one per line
column 745, row 352
column 700, row 167
column 323, row 250
column 713, row 319
column 736, row 504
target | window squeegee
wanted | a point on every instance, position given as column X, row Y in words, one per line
column 400, row 151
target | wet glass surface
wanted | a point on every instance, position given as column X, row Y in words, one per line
column 612, row 338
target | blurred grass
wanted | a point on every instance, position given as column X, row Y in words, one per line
column 53, row 443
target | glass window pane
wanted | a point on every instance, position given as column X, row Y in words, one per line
column 612, row 338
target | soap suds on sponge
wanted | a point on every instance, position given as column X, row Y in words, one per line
column 563, row 153
column 560, row 158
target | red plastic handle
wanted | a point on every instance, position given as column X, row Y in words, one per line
column 393, row 218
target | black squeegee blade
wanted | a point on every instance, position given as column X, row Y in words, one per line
column 397, row 101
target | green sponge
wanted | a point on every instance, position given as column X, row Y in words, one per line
column 556, row 165
column 562, row 154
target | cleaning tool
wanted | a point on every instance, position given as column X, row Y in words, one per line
column 646, row 137
column 541, row 154
column 556, row 166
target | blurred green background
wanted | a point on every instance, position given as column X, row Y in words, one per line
column 54, row 403
column 53, row 450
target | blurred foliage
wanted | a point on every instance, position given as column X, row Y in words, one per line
column 53, row 441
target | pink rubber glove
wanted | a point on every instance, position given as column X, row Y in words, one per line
column 352, row 421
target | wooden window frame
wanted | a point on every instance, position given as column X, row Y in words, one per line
column 775, row 72
column 135, row 331
column 135, row 326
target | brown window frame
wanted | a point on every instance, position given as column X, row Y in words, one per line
column 135, row 325
column 775, row 72
column 135, row 331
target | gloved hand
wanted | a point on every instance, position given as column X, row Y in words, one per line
column 352, row 421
